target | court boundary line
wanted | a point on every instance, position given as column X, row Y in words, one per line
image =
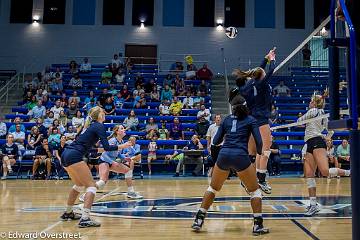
column 304, row 229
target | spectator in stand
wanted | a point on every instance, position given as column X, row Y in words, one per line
column 106, row 76
column 125, row 93
column 176, row 131
column 17, row 121
column 38, row 80
column 48, row 121
column 73, row 67
column 91, row 96
column 140, row 101
column 57, row 109
column 274, row 115
column 154, row 94
column 113, row 69
column 109, row 106
column 282, row 90
column 71, row 112
column 198, row 101
column 56, row 124
column 64, row 101
column 39, row 111
column 103, row 96
column 34, row 138
column 131, row 122
column 19, row 137
column 28, row 97
column 151, row 129
column 76, row 82
column 78, row 121
column 70, row 134
column 201, row 127
column 191, row 89
column 58, row 70
column 54, row 138
column 166, row 94
column 306, row 52
column 203, row 88
column 204, row 73
column 180, row 88
column 120, row 77
column 138, row 91
column 204, row 113
column 9, row 155
column 85, row 67
column 179, row 67
column 129, row 64
column 149, row 86
column 116, row 60
column 164, row 108
column 333, row 162
column 152, row 147
column 57, row 84
column 274, row 159
column 168, row 80
column 188, row 101
column 119, row 101
column 175, row 107
column 63, row 119
column 191, row 71
column 57, row 154
column 41, row 127
column 343, row 151
column 163, row 132
column 3, row 129
column 46, row 102
column 139, row 81
column 42, row 156
column 31, row 104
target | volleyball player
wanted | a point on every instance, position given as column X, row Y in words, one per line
column 72, row 160
column 254, row 86
column 235, row 131
column 316, row 155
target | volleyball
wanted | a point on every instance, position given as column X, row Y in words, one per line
column 231, row 32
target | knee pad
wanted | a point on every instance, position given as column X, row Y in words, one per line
column 333, row 172
column 267, row 153
column 256, row 194
column 311, row 183
column 78, row 188
column 91, row 189
column 129, row 174
column 210, row 189
column 100, row 184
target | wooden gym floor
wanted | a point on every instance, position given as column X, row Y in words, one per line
column 33, row 206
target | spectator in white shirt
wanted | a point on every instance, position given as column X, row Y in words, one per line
column 58, row 70
column 164, row 107
column 204, row 113
column 188, row 101
column 57, row 109
column 116, row 60
column 282, row 90
column 75, row 98
column 19, row 137
column 78, row 120
column 70, row 134
column 75, row 81
column 39, row 111
column 85, row 67
column 212, row 149
column 3, row 130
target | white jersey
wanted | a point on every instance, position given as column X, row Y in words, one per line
column 315, row 128
column 152, row 147
column 211, row 132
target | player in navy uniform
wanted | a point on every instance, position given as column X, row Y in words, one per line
column 9, row 152
column 235, row 131
column 72, row 160
column 254, row 86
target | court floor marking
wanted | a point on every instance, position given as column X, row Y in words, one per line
column 302, row 227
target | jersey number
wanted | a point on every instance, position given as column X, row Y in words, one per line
column 233, row 128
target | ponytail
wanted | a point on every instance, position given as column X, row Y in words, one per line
column 242, row 76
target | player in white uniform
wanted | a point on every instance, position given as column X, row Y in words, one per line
column 316, row 155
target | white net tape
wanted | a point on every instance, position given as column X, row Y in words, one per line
column 295, row 124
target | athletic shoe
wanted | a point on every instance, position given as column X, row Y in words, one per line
column 312, row 210
column 70, row 216
column 84, row 223
column 265, row 187
column 245, row 188
column 199, row 221
column 82, row 197
column 134, row 195
column 258, row 228
column 3, row 178
column 10, row 171
column 176, row 175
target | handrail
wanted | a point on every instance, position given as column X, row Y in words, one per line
column 353, row 73
column 15, row 80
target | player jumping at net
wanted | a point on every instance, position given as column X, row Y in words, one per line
column 72, row 160
column 254, row 86
column 235, row 131
column 316, row 155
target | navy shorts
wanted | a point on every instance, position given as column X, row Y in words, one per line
column 70, row 157
column 315, row 143
column 230, row 159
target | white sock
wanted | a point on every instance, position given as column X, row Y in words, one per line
column 100, row 184
column 131, row 189
column 85, row 213
column 203, row 210
column 313, row 201
column 347, row 173
column 261, row 171
column 69, row 209
column 9, row 167
column 257, row 215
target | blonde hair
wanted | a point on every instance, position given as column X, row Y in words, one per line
column 319, row 100
column 92, row 116
column 33, row 129
column 114, row 130
column 252, row 73
column 132, row 138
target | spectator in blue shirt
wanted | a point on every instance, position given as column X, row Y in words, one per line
column 17, row 121
column 38, row 111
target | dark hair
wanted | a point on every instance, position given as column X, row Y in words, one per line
column 238, row 106
column 233, row 93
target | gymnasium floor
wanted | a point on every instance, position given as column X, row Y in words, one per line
column 34, row 206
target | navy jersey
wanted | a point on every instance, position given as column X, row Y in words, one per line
column 236, row 134
column 192, row 146
column 10, row 150
column 89, row 137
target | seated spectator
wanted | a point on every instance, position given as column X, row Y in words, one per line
column 191, row 71
column 203, row 88
column 125, row 93
column 75, row 98
column 139, row 81
column 70, row 134
column 89, row 105
column 64, row 101
column 57, row 71
column 76, row 82
column 109, row 106
column 198, row 100
column 149, row 86
column 19, row 137
column 120, row 77
column 31, row 104
column 119, row 101
column 39, row 111
column 168, row 80
column 46, row 102
column 194, row 144
column 3, row 130
column 103, row 96
column 73, row 67
column 54, row 138
column 41, row 127
column 9, row 155
column 56, row 85
column 175, row 107
column 129, row 64
column 71, row 112
column 63, row 119
column 17, row 121
column 152, row 147
column 151, row 129
column 188, row 101
column 42, row 156
column 28, row 97
column 117, row 61
column 201, row 127
column 274, row 115
column 34, row 138
column 56, row 124
column 164, row 108
column 131, row 122
column 176, row 131
column 57, row 154
column 39, row 94
column 204, row 113
column 48, row 121
column 163, row 132
column 38, row 80
column 274, row 159
column 140, row 101
column 113, row 69
column 282, row 90
column 106, row 76
column 204, row 73
column 56, row 109
column 78, row 121
column 46, row 73
column 343, row 151
column 179, row 66
column 154, row 94
column 180, row 88
column 85, row 67
column 91, row 96
column 330, row 150
column 138, row 91
column 166, row 94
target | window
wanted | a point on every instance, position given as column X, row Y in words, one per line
column 265, row 13
column 143, row 12
column 54, row 11
column 234, row 13
column 84, row 12
column 204, row 13
column 295, row 14
column 21, row 11
column 173, row 13
column 113, row 12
